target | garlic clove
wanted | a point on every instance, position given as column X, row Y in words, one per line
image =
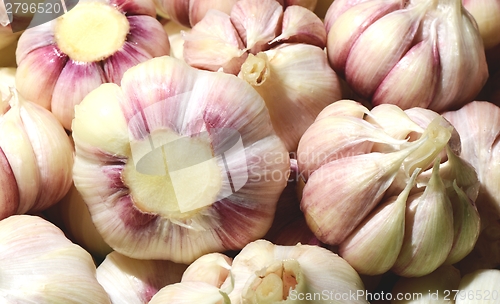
column 483, row 284
column 37, row 37
column 356, row 185
column 175, row 33
column 265, row 273
column 40, row 265
column 466, row 226
column 274, row 74
column 214, row 43
column 199, row 8
column 37, row 74
column 190, row 292
column 54, row 154
column 401, row 26
column 343, row 107
column 301, row 25
column 373, row 247
column 142, row 30
column 22, row 160
column 460, row 42
column 211, row 268
column 127, row 280
column 87, row 75
column 428, row 236
column 394, row 121
column 417, row 69
column 349, row 26
column 9, row 197
column 436, row 287
column 257, row 22
column 323, row 143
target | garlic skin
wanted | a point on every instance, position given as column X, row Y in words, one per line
column 189, row 12
column 479, row 287
column 266, row 273
column 36, row 156
column 274, row 48
column 175, row 31
column 78, row 225
column 190, row 292
column 57, row 71
column 407, row 170
column 40, row 265
column 225, row 166
column 211, row 268
column 487, row 15
column 478, row 126
column 429, row 55
column 435, row 287
column 130, row 281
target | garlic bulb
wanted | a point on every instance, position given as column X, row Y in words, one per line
column 436, row 287
column 479, row 287
column 131, row 281
column 36, row 156
column 61, row 61
column 278, row 51
column 431, row 54
column 266, row 273
column 397, row 191
column 40, row 265
column 178, row 162
column 479, row 127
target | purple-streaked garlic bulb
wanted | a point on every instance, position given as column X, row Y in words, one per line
column 61, row 61
column 178, row 162
column 190, row 12
column 418, row 53
column 279, row 51
column 389, row 188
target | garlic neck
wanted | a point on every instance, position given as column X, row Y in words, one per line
column 255, row 70
column 274, row 283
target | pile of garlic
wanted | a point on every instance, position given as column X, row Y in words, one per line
column 250, row 151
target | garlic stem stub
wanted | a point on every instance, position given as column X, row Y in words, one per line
column 279, row 50
column 266, row 273
column 178, row 164
column 389, row 188
column 61, row 61
column 424, row 53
